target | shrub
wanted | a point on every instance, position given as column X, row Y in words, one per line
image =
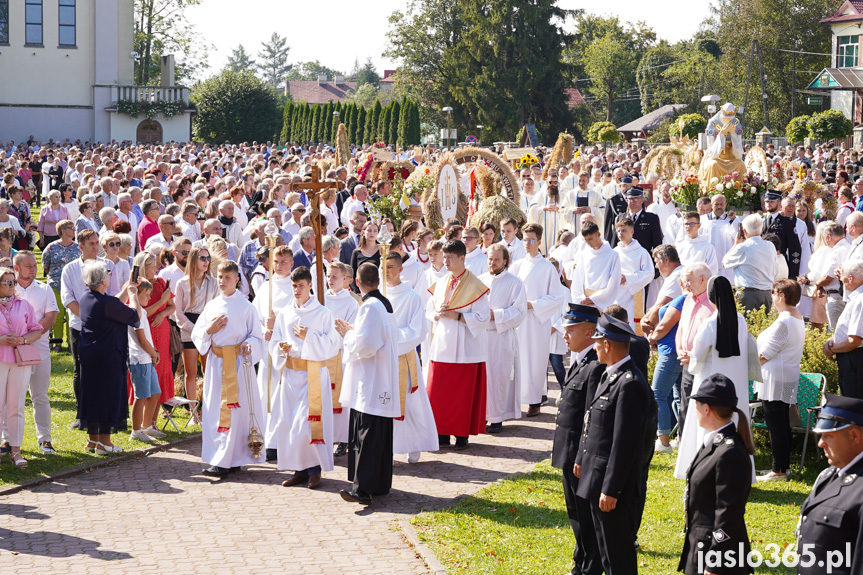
column 237, row 107
column 603, row 132
column 798, row 129
column 829, row 125
column 693, row 124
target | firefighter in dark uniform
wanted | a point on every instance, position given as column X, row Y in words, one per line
column 718, row 485
column 830, row 530
column 609, row 460
column 776, row 223
column 615, row 206
column 579, row 387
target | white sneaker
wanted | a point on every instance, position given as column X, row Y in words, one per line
column 674, row 443
column 155, row 433
column 659, row 448
column 139, row 435
column 414, row 457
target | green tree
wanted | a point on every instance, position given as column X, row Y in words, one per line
column 287, row 115
column 830, row 125
column 236, row 107
column 368, row 74
column 273, row 60
column 161, row 27
column 777, row 25
column 693, row 124
column 384, row 124
column 375, row 118
column 240, row 60
column 603, row 132
column 315, row 123
column 310, row 71
column 359, row 129
column 327, row 124
column 296, row 118
column 393, row 136
column 797, row 129
column 609, row 64
column 364, row 96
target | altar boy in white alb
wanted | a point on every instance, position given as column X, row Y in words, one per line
column 415, row 430
column 303, row 344
column 371, row 390
column 344, row 304
column 507, row 301
column 596, row 279
column 228, row 333
column 636, row 267
column 541, row 283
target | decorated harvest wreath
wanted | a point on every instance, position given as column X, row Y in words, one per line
column 431, row 204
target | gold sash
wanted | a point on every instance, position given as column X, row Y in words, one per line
column 467, row 290
column 407, row 367
column 313, row 369
column 230, row 398
column 638, row 305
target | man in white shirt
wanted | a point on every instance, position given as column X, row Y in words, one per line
column 825, row 271
column 845, row 345
column 164, row 238
column 668, row 263
column 695, row 247
column 508, row 229
column 752, row 261
column 664, row 206
column 293, row 225
column 189, row 227
column 44, row 303
column 359, row 202
column 125, row 212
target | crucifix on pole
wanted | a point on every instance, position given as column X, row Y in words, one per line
column 313, row 191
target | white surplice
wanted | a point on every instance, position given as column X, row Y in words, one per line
column 534, row 334
column 698, row 249
column 636, row 266
column 663, row 211
column 290, row 416
column 516, row 249
column 413, row 272
column 476, row 261
column 508, row 300
column 343, row 305
column 229, row 448
column 418, row 431
column 282, row 296
column 370, row 383
column 431, row 277
column 597, row 270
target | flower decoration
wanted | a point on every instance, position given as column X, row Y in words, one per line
column 686, row 190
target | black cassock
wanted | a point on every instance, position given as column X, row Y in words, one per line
column 370, row 453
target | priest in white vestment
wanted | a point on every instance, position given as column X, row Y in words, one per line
column 664, row 207
column 304, row 346
column 228, row 332
column 541, row 282
column 551, row 211
column 596, row 279
column 636, row 268
column 459, row 312
column 475, row 260
column 696, row 247
column 415, row 430
column 583, row 200
column 507, row 301
column 370, row 389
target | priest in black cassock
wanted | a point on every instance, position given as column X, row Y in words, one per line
column 370, row 388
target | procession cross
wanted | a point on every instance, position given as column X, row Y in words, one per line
column 313, row 191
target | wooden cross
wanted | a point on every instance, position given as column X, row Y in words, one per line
column 313, row 191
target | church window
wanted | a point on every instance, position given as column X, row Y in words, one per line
column 33, row 22
column 67, row 22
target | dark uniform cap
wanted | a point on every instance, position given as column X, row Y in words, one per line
column 838, row 412
column 773, row 196
column 625, row 180
column 634, row 192
column 717, row 390
column 578, row 313
column 610, row 328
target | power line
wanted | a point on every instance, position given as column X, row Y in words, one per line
column 799, row 52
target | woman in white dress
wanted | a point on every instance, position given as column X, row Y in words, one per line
column 780, row 348
column 720, row 346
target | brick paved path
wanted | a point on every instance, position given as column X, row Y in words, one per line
column 130, row 517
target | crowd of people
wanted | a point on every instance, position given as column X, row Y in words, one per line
column 157, row 256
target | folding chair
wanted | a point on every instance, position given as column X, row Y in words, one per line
column 809, row 391
column 168, row 411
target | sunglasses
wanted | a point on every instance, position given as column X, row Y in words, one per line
column 184, row 252
column 9, row 283
column 113, row 244
column 204, row 258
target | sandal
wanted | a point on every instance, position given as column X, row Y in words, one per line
column 18, row 459
column 90, row 447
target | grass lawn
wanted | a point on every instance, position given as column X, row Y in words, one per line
column 519, row 525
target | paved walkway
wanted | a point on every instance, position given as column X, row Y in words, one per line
column 159, row 515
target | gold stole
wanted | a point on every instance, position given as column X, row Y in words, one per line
column 407, row 368
column 313, row 370
column 467, row 290
column 230, row 398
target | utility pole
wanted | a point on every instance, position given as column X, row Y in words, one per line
column 793, row 83
column 763, row 85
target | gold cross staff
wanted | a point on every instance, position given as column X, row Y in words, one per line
column 313, row 190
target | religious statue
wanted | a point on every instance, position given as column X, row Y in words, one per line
column 725, row 154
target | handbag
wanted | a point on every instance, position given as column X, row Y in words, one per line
column 176, row 342
column 808, row 290
column 27, row 354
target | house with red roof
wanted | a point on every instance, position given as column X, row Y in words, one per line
column 320, row 91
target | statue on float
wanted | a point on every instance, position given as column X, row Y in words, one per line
column 725, row 155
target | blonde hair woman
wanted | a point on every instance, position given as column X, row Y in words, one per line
column 193, row 291
column 219, row 250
